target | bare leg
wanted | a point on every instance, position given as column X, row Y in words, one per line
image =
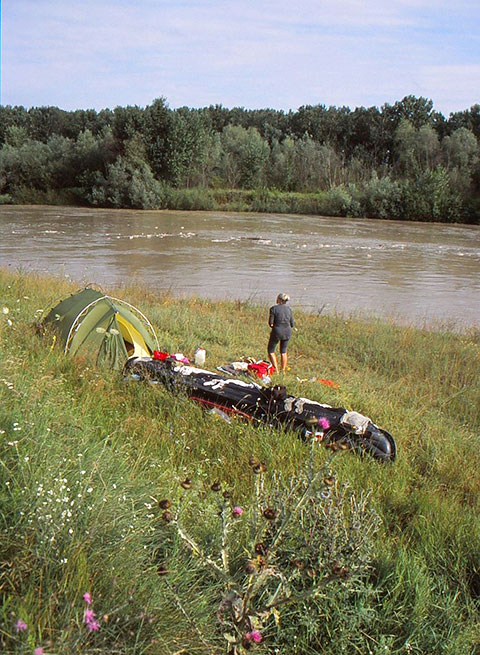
column 273, row 359
column 284, row 360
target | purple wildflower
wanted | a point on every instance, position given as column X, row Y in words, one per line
column 38, row 651
column 254, row 635
column 238, row 511
column 90, row 620
column 20, row 625
column 89, row 616
column 87, row 597
column 324, row 422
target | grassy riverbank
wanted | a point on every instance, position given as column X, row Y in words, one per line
column 86, row 460
column 203, row 199
column 375, row 200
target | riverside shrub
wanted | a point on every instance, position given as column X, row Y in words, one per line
column 128, row 184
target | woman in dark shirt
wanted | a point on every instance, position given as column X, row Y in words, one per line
column 281, row 321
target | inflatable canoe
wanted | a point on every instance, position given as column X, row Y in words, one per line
column 336, row 426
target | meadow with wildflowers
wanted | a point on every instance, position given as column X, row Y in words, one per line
column 133, row 522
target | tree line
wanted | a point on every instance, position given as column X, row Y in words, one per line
column 404, row 160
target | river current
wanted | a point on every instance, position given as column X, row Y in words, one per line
column 413, row 273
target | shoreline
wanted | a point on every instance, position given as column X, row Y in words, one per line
column 254, row 201
column 433, row 325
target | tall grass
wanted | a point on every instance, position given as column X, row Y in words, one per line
column 85, row 458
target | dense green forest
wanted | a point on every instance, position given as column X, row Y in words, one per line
column 404, row 160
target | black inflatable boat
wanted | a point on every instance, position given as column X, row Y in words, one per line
column 336, row 426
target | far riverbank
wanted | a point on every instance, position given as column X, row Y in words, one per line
column 344, row 201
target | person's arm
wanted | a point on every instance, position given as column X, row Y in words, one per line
column 271, row 318
column 292, row 322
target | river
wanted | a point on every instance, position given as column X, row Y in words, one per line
column 412, row 273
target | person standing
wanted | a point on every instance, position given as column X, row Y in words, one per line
column 281, row 321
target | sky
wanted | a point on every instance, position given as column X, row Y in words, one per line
column 280, row 54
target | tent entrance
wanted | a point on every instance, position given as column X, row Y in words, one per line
column 134, row 342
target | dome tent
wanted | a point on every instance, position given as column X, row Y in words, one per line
column 110, row 329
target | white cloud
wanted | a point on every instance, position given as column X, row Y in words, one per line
column 271, row 53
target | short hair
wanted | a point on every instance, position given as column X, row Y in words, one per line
column 284, row 297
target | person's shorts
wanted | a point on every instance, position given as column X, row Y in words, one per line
column 273, row 341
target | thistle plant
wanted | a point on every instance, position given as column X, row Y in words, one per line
column 275, row 558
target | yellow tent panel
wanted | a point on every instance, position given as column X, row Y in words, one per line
column 132, row 336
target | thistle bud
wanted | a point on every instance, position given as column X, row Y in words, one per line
column 216, row 486
column 246, row 642
column 269, row 513
column 164, row 504
column 186, row 484
column 260, row 548
column 250, row 568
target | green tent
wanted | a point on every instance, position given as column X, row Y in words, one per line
column 109, row 329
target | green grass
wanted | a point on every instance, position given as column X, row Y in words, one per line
column 85, row 457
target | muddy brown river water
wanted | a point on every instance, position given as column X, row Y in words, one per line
column 420, row 273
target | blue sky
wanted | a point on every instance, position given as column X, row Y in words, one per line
column 252, row 53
